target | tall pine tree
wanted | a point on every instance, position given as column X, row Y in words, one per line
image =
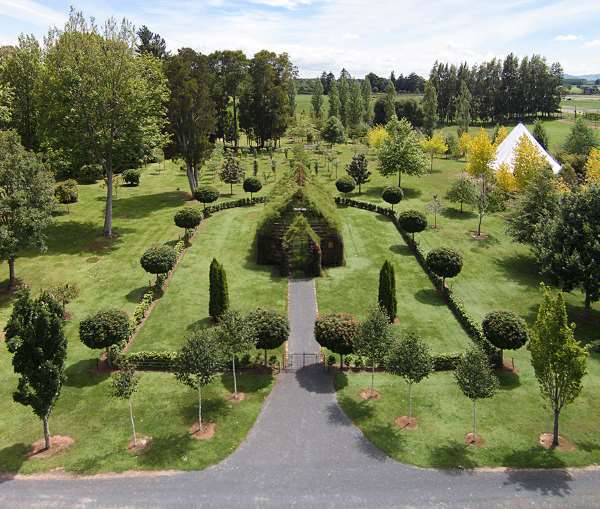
column 387, row 290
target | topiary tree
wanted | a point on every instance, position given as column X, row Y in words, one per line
column 35, row 337
column 410, row 359
column 476, row 380
column 337, row 332
column 345, row 185
column 218, row 301
column 444, row 262
column 189, row 219
column 333, row 131
column 199, row 360
column 272, row 329
column 124, row 384
column 66, row 192
column 392, row 195
column 387, row 290
column 505, row 330
column 105, row 329
column 412, row 221
column 252, row 185
column 206, row 194
column 158, row 260
column 132, row 177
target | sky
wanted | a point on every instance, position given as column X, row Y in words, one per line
column 362, row 36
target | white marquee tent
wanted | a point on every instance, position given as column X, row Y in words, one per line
column 505, row 153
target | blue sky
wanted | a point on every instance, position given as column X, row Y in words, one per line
column 361, row 35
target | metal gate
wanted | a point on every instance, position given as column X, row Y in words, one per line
column 295, row 361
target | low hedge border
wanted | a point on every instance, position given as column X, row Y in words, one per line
column 468, row 323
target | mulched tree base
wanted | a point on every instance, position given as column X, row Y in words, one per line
column 143, row 444
column 405, row 422
column 508, row 367
column 58, row 443
column 368, row 394
column 474, row 236
column 475, row 440
column 564, row 444
column 237, row 398
column 206, row 432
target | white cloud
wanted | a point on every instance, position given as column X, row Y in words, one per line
column 569, row 37
column 31, row 11
column 592, row 44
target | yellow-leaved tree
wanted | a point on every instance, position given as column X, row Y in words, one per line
column 501, row 135
column 592, row 167
column 480, row 155
column 376, row 135
column 505, row 179
column 528, row 162
column 463, row 144
column 436, row 145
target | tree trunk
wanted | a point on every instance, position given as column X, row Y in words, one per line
column 474, row 419
column 265, row 357
column 372, row 376
column 399, row 178
column 479, row 225
column 132, row 423
column 199, row 407
column 46, row 432
column 409, row 400
column 231, row 189
column 555, row 429
column 235, row 126
column 109, row 201
column 587, row 307
column 234, row 377
column 461, row 207
column 431, row 168
column 190, row 176
column 12, row 277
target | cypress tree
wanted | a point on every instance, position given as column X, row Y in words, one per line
column 223, row 289
column 387, row 290
column 218, row 292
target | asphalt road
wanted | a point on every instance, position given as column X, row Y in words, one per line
column 304, row 452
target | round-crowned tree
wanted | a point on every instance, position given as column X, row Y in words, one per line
column 336, row 332
column 132, row 177
column 392, row 195
column 272, row 328
column 345, row 185
column 505, row 330
column 158, row 260
column 252, row 185
column 444, row 262
column 105, row 329
column 188, row 218
column 206, row 194
column 412, row 221
column 66, row 192
column 333, row 131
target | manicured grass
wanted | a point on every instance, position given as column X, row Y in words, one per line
column 370, row 239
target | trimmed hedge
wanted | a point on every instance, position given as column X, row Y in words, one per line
column 243, row 202
column 158, row 361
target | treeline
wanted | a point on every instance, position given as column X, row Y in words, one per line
column 498, row 89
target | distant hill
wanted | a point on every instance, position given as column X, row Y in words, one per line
column 587, row 77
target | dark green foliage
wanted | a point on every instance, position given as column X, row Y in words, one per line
column 159, row 259
column 411, row 110
column 90, row 173
column 232, row 172
column 66, row 192
column 540, row 134
column 474, row 375
column 272, row 329
column 412, row 221
column 105, row 328
column 392, row 195
column 218, row 291
column 505, row 330
column 302, row 248
column 124, row 382
column 333, row 131
column 206, row 194
column 35, row 337
column 188, row 218
column 252, row 185
column 345, row 185
column 358, row 169
column 337, row 332
column 387, row 290
column 462, row 190
column 132, row 177
column 582, row 139
column 444, row 262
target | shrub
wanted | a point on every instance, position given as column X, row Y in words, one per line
column 412, row 221
column 66, row 192
column 505, row 330
column 252, row 185
column 140, row 310
column 345, row 185
column 206, row 194
column 444, row 262
column 272, row 329
column 188, row 218
column 392, row 195
column 349, row 361
column 105, row 329
column 336, row 332
column 358, row 362
column 90, row 173
column 330, row 360
column 132, row 177
column 159, row 260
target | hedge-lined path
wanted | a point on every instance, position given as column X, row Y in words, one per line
column 304, row 452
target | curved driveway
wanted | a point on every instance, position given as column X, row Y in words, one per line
column 304, row 452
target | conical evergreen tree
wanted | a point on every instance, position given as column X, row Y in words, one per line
column 387, row 290
column 218, row 291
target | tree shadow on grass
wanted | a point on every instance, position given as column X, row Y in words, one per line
column 213, row 408
column 372, row 191
column 143, row 205
column 452, row 213
column 340, row 380
column 11, row 460
column 167, row 450
column 137, row 294
column 83, row 374
column 508, row 380
column 203, row 323
column 410, row 193
column 357, row 411
column 247, row 382
column 520, row 267
column 452, row 456
column 385, row 437
column 430, row 297
column 401, row 249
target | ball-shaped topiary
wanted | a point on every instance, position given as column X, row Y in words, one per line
column 444, row 262
column 132, row 177
column 252, row 185
column 392, row 195
column 412, row 221
column 206, row 194
column 505, row 330
column 188, row 218
column 105, row 328
column 272, row 328
column 337, row 332
column 345, row 185
column 66, row 192
column 158, row 259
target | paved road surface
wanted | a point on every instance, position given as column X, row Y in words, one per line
column 305, row 453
